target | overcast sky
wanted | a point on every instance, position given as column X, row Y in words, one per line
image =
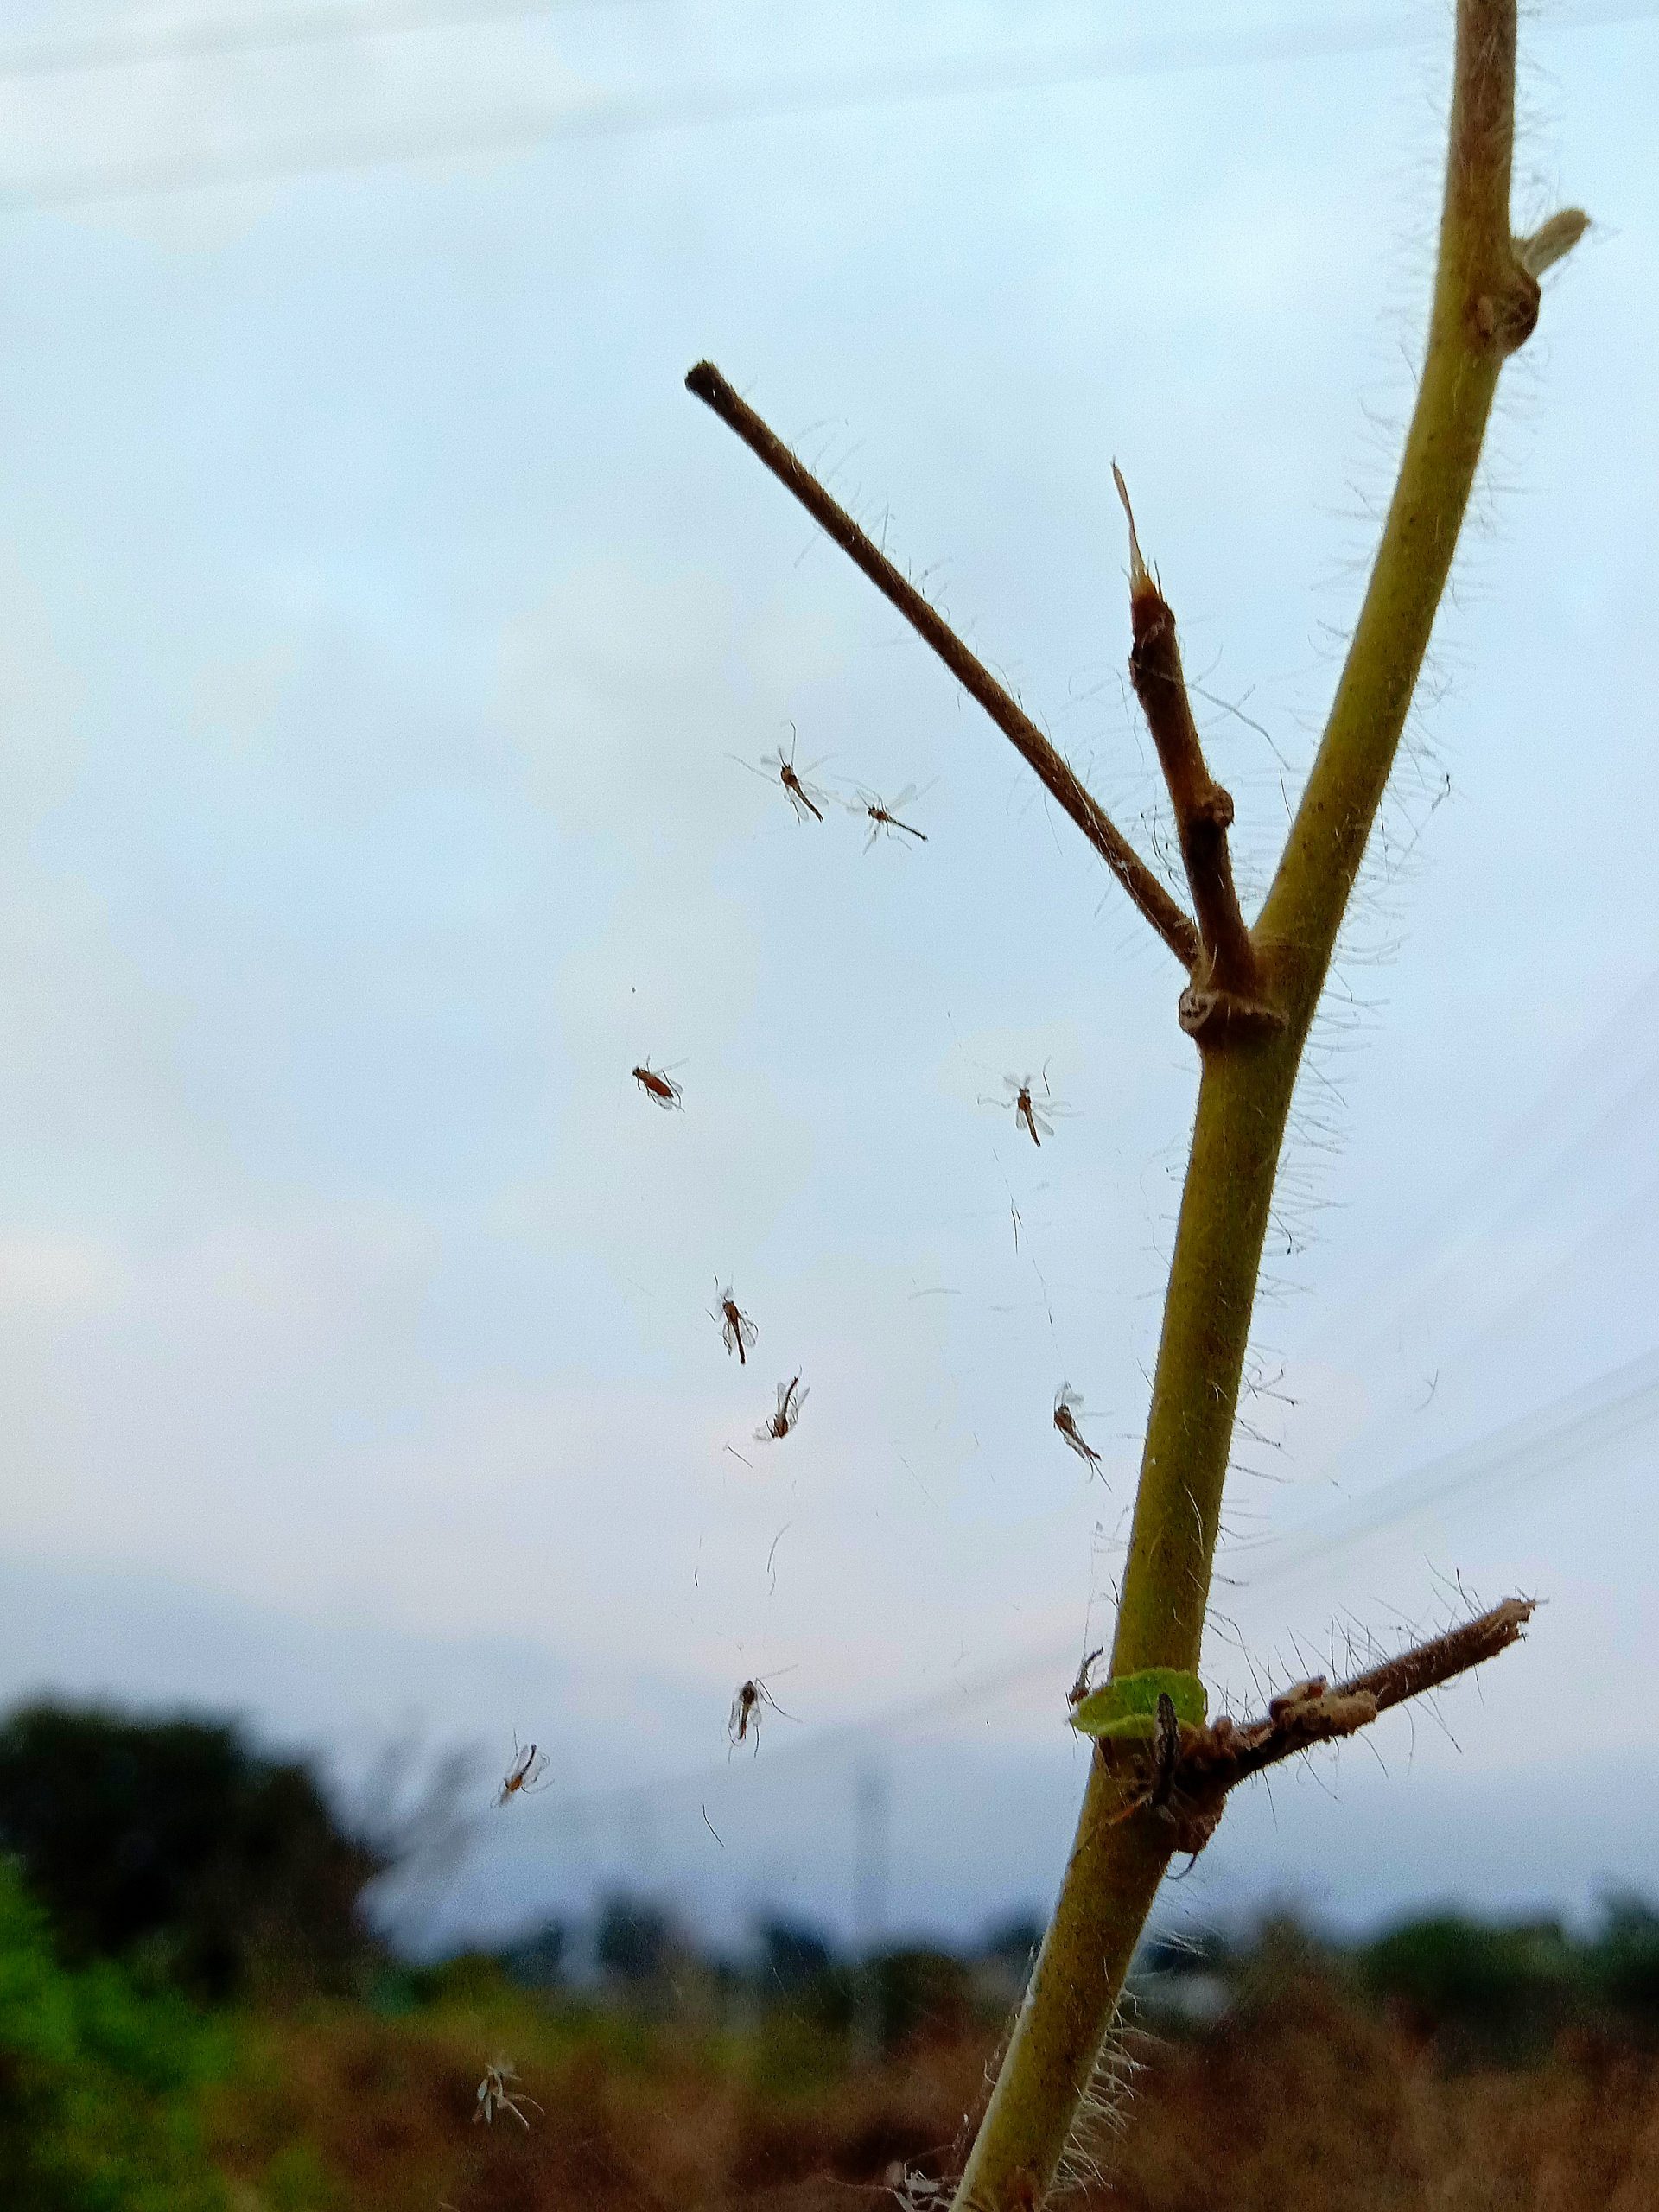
column 379, row 622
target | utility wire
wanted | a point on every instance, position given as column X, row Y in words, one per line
column 978, row 76
column 1611, row 1409
column 317, row 26
column 205, row 40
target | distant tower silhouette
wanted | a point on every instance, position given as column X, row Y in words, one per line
column 872, row 1805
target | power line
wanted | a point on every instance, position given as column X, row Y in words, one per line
column 979, row 76
column 264, row 33
column 1612, row 1408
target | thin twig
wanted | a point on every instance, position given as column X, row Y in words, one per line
column 1216, row 1759
column 1426, row 1666
column 1176, row 928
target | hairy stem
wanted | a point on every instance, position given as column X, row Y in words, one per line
column 1485, row 304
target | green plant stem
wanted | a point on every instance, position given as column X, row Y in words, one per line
column 1485, row 304
column 1116, row 1865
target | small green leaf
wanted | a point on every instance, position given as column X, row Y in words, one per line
column 1125, row 1709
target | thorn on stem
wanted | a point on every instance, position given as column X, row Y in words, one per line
column 1141, row 582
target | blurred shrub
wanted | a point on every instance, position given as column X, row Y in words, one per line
column 1489, row 1991
column 175, row 1841
column 99, row 2082
column 467, row 1978
column 793, row 1957
column 635, row 1942
column 923, row 1996
column 1621, row 1964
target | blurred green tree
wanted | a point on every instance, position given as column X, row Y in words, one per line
column 1482, row 1991
column 99, row 2082
column 174, row 1843
column 1621, row 1964
column 793, row 1957
column 635, row 1941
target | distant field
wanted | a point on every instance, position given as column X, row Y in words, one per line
column 1300, row 2099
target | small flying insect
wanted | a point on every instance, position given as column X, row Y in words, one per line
column 497, row 2093
column 883, row 814
column 523, row 1775
column 1031, row 1112
column 1067, row 1406
column 658, row 1085
column 778, row 767
column 1082, row 1686
column 743, row 1723
column 791, row 1399
column 914, row 2190
column 736, row 1329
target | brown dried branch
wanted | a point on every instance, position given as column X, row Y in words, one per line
column 1176, row 928
column 1216, row 1759
column 1203, row 811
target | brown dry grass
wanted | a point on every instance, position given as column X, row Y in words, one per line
column 1300, row 2102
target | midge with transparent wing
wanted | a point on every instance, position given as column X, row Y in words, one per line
column 883, row 814
column 737, row 1331
column 1067, row 1406
column 791, row 1399
column 1033, row 1110
column 500, row 2092
column 659, row 1084
column 778, row 767
column 524, row 1775
column 753, row 1699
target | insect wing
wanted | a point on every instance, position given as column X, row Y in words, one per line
column 768, row 768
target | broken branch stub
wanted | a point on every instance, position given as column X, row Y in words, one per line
column 1227, row 999
column 1214, row 1758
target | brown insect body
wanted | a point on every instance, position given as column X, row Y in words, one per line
column 1067, row 1406
column 1166, row 1750
column 1079, row 1689
column 658, row 1086
column 779, row 1424
column 523, row 1775
column 792, row 783
column 1031, row 1113
column 779, row 766
column 743, row 1723
column 883, row 814
column 737, row 1331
